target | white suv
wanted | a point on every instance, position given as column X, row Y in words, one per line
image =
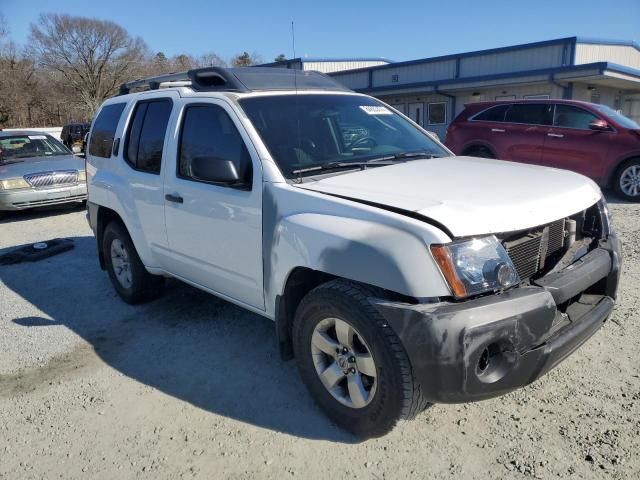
column 396, row 273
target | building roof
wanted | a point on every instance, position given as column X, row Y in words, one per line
column 326, row 59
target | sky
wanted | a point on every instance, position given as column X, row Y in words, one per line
column 397, row 30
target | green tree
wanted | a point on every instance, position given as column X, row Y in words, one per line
column 246, row 60
column 280, row 58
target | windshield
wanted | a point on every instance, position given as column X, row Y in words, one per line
column 619, row 118
column 303, row 131
column 20, row 147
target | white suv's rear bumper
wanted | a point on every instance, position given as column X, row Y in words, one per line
column 23, row 199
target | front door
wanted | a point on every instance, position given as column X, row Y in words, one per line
column 214, row 230
column 572, row 145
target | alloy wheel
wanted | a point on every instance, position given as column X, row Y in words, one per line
column 630, row 181
column 344, row 363
column 120, row 263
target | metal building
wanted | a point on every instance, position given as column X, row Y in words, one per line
column 328, row 65
column 433, row 90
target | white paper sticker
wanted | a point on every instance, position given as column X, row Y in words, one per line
column 376, row 110
column 37, row 137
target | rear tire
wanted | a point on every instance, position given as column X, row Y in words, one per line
column 480, row 152
column 128, row 275
column 386, row 390
column 626, row 181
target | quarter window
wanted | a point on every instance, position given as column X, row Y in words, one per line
column 530, row 113
column 493, row 114
column 104, row 130
column 568, row 116
column 208, row 131
column 145, row 141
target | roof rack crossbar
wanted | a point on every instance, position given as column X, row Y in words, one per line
column 241, row 79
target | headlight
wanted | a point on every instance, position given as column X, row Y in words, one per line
column 475, row 266
column 82, row 175
column 13, row 183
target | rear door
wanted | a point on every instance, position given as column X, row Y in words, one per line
column 521, row 137
column 214, row 230
column 572, row 145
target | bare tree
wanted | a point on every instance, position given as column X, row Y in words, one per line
column 92, row 56
column 210, row 60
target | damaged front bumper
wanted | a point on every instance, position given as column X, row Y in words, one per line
column 492, row 345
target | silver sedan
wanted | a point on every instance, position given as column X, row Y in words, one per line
column 37, row 170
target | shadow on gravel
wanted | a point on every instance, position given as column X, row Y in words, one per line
column 188, row 344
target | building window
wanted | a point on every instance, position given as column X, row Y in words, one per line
column 395, row 78
column 542, row 96
column 437, row 113
column 505, row 97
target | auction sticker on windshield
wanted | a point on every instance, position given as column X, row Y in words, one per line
column 37, row 137
column 376, row 110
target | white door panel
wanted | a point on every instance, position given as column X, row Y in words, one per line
column 215, row 234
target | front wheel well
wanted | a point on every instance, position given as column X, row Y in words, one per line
column 105, row 216
column 300, row 282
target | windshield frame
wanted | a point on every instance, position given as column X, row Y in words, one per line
column 7, row 159
column 430, row 144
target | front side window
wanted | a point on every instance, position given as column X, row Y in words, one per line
column 530, row 113
column 145, row 141
column 18, row 148
column 209, row 132
column 568, row 116
column 104, row 130
column 304, row 132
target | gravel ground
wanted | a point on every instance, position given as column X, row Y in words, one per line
column 190, row 386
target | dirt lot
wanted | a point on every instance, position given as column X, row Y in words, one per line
column 192, row 387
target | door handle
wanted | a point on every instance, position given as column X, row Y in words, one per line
column 497, row 130
column 174, row 198
column 555, row 135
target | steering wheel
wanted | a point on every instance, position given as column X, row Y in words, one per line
column 362, row 141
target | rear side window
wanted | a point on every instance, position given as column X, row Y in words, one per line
column 104, row 129
column 493, row 114
column 208, row 131
column 145, row 139
column 568, row 116
column 530, row 113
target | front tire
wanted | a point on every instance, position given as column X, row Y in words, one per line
column 480, row 152
column 352, row 362
column 627, row 180
column 128, row 275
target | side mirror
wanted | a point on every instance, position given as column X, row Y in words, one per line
column 215, row 170
column 599, row 125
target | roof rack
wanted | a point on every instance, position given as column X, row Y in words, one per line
column 242, row 79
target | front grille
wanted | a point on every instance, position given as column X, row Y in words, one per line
column 529, row 252
column 52, row 179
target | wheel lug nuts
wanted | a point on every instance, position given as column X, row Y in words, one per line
column 345, row 349
column 338, row 350
column 352, row 359
column 352, row 370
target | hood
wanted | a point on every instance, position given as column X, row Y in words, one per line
column 41, row 164
column 469, row 196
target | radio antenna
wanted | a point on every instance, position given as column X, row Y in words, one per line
column 293, row 39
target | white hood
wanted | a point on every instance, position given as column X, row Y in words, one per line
column 470, row 196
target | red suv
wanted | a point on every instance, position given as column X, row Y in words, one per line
column 590, row 139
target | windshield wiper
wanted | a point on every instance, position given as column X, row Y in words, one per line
column 338, row 165
column 7, row 162
column 405, row 156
